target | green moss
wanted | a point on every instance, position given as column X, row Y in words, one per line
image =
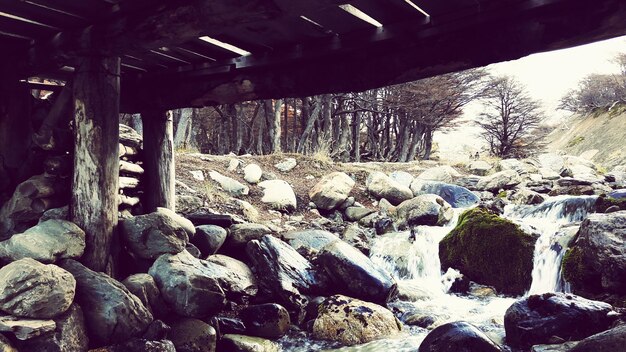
column 575, row 141
column 583, row 279
column 501, row 194
column 604, row 202
column 490, row 250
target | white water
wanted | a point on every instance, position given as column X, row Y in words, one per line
column 553, row 221
column 415, row 265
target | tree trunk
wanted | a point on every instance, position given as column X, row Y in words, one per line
column 312, row 118
column 356, row 136
column 158, row 145
column 93, row 205
column 276, row 145
column 182, row 138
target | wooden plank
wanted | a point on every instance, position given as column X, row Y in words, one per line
column 386, row 11
column 158, row 142
column 93, row 205
column 87, row 9
column 26, row 29
column 43, row 15
column 337, row 20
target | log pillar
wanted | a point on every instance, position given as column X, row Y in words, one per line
column 93, row 205
column 158, row 152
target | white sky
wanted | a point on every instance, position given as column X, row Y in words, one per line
column 547, row 76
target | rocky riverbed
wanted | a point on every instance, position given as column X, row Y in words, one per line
column 285, row 253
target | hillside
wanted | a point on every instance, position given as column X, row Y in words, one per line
column 599, row 137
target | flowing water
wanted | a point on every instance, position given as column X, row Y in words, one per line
column 413, row 260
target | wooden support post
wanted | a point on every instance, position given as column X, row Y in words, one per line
column 93, row 205
column 158, row 145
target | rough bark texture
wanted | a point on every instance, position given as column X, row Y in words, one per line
column 158, row 143
column 93, row 205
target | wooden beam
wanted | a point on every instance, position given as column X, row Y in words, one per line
column 158, row 144
column 161, row 23
column 93, row 205
column 393, row 54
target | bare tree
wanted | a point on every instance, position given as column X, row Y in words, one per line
column 510, row 119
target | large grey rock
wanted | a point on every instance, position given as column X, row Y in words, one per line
column 456, row 196
column 140, row 345
column 179, row 219
column 352, row 321
column 536, row 319
column 285, row 272
column 309, row 241
column 597, row 261
column 26, row 328
column 444, row 173
column 34, row 290
column 242, row 343
column 552, row 161
column 189, row 285
column 519, row 166
column 252, row 173
column 268, row 320
column 425, row 209
column 356, row 273
column 380, row 186
column 241, row 234
column 47, row 242
column 286, row 165
column 402, row 177
column 234, row 276
column 500, row 180
column 458, row 337
column 606, row 341
column 332, row 190
column 527, row 197
column 112, row 313
column 229, row 185
column 209, row 238
column 193, row 335
column 357, row 213
column 70, row 335
column 151, row 235
column 188, row 204
column 278, row 194
column 145, row 288
column 61, row 213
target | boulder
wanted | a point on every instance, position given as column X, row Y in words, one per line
column 606, row 341
column 458, row 337
column 479, row 167
column 490, row 250
column 500, row 180
column 286, row 165
column 193, row 335
column 309, row 242
column 287, row 274
column 402, row 177
column 189, row 285
column 252, row 173
column 536, row 319
column 444, row 173
column 279, row 195
column 69, row 336
column 145, row 288
column 179, row 219
column 34, row 290
column 357, row 213
column 356, row 273
column 268, row 320
column 151, row 235
column 242, row 343
column 527, row 196
column 230, row 185
column 597, row 261
column 516, row 165
column 549, row 174
column 241, row 234
column 61, row 213
column 47, row 242
column 234, row 276
column 351, row 321
column 139, row 345
column 332, row 190
column 380, row 186
column 209, row 238
column 26, row 328
column 112, row 313
column 425, row 209
column 456, row 196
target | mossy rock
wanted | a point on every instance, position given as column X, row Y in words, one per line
column 604, row 202
column 584, row 280
column 490, row 250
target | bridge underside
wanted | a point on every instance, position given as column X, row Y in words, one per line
column 150, row 56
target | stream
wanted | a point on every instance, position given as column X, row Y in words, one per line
column 423, row 288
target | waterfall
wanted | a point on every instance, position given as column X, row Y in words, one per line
column 553, row 220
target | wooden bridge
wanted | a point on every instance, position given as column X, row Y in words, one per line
column 149, row 56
